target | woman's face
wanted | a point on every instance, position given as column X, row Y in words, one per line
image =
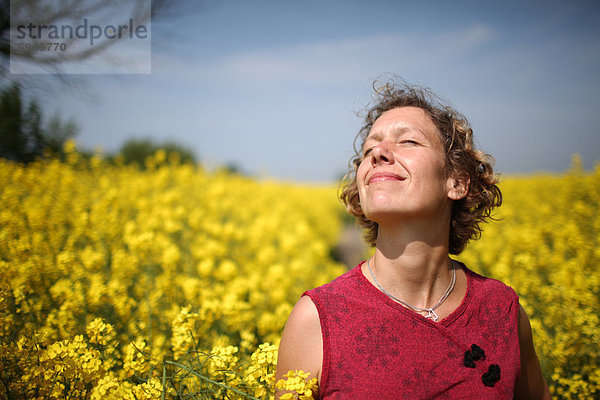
column 404, row 172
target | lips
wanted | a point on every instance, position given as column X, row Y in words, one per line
column 385, row 176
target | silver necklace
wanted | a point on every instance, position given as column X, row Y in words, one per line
column 430, row 311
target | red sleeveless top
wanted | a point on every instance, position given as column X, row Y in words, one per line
column 374, row 348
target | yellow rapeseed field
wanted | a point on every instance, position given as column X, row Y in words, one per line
column 117, row 283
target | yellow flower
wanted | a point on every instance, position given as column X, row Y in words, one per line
column 298, row 384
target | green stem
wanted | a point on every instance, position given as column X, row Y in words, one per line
column 212, row 382
column 164, row 381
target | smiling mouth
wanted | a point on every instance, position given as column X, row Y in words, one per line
column 385, row 177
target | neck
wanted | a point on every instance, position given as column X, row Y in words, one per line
column 413, row 264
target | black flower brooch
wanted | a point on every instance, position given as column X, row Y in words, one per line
column 476, row 354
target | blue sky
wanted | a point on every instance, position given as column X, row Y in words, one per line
column 274, row 86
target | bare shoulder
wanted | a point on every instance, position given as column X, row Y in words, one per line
column 301, row 346
column 531, row 383
column 304, row 311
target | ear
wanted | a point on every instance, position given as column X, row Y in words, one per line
column 458, row 186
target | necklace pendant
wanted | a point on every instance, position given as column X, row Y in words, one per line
column 431, row 314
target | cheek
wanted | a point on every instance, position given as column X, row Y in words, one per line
column 432, row 167
column 361, row 173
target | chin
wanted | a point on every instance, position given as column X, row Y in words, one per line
column 382, row 214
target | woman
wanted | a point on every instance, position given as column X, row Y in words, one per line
column 411, row 323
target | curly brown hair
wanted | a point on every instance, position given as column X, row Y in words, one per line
column 461, row 156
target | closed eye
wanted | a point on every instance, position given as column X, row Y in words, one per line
column 409, row 141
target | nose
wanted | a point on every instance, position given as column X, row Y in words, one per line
column 382, row 154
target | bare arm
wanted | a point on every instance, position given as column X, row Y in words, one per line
column 301, row 346
column 531, row 383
